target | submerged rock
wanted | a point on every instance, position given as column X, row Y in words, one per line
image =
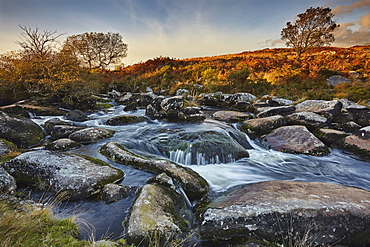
column 21, row 131
column 157, row 215
column 328, row 214
column 78, row 176
column 91, row 135
column 295, row 139
column 193, row 184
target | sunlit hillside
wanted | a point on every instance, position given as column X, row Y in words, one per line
column 268, row 71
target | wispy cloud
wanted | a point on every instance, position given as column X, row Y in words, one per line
column 354, row 33
column 345, row 9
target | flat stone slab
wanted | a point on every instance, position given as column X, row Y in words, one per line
column 274, row 210
column 295, row 139
column 308, row 119
column 56, row 172
column 230, row 116
column 260, row 126
column 329, row 109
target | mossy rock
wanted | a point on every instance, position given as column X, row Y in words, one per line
column 21, row 131
column 125, row 119
column 78, row 176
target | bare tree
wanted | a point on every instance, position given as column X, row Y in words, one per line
column 314, row 28
column 37, row 43
column 97, row 50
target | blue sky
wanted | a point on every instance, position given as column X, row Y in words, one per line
column 179, row 28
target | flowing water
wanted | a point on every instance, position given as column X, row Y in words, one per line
column 151, row 138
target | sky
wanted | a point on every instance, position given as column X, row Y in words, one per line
column 179, row 28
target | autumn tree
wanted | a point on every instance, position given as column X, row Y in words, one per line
column 40, row 69
column 313, row 28
column 96, row 50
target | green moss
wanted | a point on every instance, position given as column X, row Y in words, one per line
column 103, row 105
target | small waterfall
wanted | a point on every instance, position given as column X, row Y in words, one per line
column 181, row 157
column 185, row 158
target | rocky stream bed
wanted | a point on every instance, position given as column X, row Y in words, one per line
column 234, row 171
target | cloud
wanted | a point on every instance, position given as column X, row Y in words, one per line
column 342, row 9
column 354, row 33
column 271, row 42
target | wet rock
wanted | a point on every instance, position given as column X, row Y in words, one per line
column 63, row 144
column 279, row 110
column 295, row 139
column 114, row 192
column 77, row 116
column 146, row 99
column 231, row 116
column 162, row 179
column 50, row 123
column 63, row 131
column 217, row 144
column 329, row 109
column 79, row 177
column 309, row 119
column 125, row 119
column 91, row 135
column 21, row 131
column 279, row 102
column 7, row 147
column 349, row 127
column 7, row 182
column 182, row 92
column 171, row 106
column 193, row 184
column 359, row 142
column 127, row 98
column 16, row 110
column 260, row 126
column 358, row 113
column 209, row 101
column 114, row 94
column 232, row 99
column 131, row 107
column 329, row 214
column 330, row 136
column 157, row 215
column 191, row 114
column 169, row 109
column 153, row 112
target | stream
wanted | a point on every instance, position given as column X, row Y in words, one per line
column 98, row 219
